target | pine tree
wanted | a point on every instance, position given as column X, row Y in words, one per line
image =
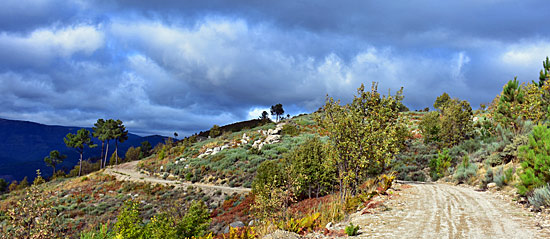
column 78, row 141
column 509, row 105
column 54, row 159
column 535, row 156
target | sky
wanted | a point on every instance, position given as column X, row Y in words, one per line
column 182, row 66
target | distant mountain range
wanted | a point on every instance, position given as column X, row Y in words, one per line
column 24, row 144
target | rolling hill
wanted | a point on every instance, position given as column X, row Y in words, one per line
column 25, row 144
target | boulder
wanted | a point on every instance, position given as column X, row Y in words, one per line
column 236, row 224
column 491, row 185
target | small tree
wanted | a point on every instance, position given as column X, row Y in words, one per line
column 277, row 110
column 195, row 222
column 535, row 156
column 78, row 141
column 176, row 135
column 13, row 186
column 264, row 116
column 23, row 184
column 508, row 109
column 54, row 159
column 364, row 135
column 146, row 148
column 430, row 126
column 215, row 131
column 133, row 154
column 39, row 179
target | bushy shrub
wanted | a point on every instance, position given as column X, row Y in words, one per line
column 540, row 197
column 289, row 129
column 440, row 164
column 196, row 221
column 465, row 170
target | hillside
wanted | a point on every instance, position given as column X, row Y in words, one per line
column 25, row 144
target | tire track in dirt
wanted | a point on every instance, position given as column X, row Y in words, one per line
column 433, row 210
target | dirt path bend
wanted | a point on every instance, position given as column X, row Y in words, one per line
column 433, row 210
column 129, row 172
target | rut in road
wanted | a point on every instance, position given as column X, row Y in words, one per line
column 128, row 172
column 433, row 210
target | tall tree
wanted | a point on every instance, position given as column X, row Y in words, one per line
column 99, row 131
column 78, row 141
column 54, row 159
column 120, row 135
column 110, row 128
column 277, row 110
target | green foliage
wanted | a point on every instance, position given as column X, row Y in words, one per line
column 363, row 135
column 540, row 197
column 38, row 179
column 277, row 110
column 508, row 108
column 441, row 101
column 440, row 164
column 465, row 170
column 145, row 148
column 23, row 184
column 54, row 159
column 430, row 127
column 312, row 174
column 302, row 225
column 456, row 122
column 101, row 233
column 129, row 223
column 289, row 129
column 240, row 233
column 78, row 142
column 196, row 221
column 215, row 131
column 535, row 156
column 31, row 217
column 133, row 154
column 544, row 73
column 352, row 230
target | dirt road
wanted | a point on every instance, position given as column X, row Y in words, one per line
column 128, row 172
column 433, row 210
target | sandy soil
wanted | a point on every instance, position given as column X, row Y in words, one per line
column 128, row 172
column 434, row 210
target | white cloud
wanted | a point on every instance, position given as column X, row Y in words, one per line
column 45, row 44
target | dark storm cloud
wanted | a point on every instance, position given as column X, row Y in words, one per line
column 165, row 66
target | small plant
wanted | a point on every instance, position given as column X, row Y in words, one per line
column 465, row 170
column 302, row 225
column 440, row 164
column 241, row 233
column 540, row 197
column 352, row 230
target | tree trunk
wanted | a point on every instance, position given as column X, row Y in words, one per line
column 116, row 151
column 53, row 170
column 101, row 158
column 106, row 153
column 80, row 167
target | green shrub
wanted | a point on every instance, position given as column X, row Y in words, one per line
column 352, row 230
column 129, row 223
column 465, row 170
column 535, row 167
column 196, row 221
column 289, row 129
column 439, row 165
column 540, row 197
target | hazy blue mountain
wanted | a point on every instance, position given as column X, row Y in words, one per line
column 23, row 146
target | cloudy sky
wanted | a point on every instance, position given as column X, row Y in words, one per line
column 164, row 66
